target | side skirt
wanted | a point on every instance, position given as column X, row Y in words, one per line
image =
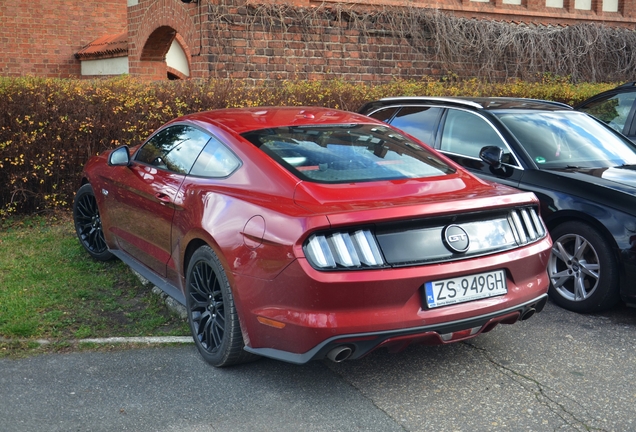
column 161, row 283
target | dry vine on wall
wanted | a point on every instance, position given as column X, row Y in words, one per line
column 486, row 49
column 584, row 52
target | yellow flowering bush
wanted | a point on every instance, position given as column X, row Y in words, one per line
column 50, row 127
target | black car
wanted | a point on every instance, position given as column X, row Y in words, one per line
column 616, row 107
column 583, row 172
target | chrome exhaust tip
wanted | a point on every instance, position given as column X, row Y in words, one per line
column 339, row 354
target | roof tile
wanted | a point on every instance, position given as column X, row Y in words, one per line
column 105, row 47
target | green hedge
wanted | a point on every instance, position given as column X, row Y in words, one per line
column 50, row 127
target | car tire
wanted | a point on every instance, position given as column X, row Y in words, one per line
column 88, row 224
column 211, row 311
column 582, row 268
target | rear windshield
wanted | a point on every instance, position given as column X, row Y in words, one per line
column 348, row 153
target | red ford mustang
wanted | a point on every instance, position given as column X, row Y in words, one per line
column 310, row 233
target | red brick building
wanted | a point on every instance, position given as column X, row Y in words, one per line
column 41, row 37
column 373, row 40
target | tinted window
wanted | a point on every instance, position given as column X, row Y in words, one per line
column 466, row 134
column 384, row 114
column 215, row 160
column 418, row 121
column 613, row 111
column 174, row 148
column 568, row 138
column 347, row 153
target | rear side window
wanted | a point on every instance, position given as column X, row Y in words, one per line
column 215, row 160
column 175, row 148
column 384, row 114
column 348, row 153
column 419, row 122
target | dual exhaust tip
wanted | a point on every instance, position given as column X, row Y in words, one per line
column 528, row 313
column 343, row 352
column 340, row 353
column 533, row 309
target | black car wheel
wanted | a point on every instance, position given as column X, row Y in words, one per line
column 88, row 224
column 211, row 312
column 582, row 268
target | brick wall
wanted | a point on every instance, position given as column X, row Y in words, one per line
column 40, row 37
column 309, row 44
column 228, row 38
column 324, row 40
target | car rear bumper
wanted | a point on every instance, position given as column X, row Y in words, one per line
column 354, row 346
column 304, row 314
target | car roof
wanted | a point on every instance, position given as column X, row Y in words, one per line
column 485, row 103
column 242, row 120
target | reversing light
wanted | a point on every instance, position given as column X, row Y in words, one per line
column 343, row 250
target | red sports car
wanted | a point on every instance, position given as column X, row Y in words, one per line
column 309, row 233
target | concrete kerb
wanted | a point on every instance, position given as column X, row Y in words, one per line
column 174, row 307
column 142, row 339
column 115, row 340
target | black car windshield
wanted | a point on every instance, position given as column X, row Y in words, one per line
column 559, row 139
column 347, row 153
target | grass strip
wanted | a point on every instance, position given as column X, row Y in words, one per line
column 50, row 288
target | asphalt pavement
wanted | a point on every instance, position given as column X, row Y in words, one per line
column 558, row 371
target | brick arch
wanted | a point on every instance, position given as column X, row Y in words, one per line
column 158, row 44
column 152, row 26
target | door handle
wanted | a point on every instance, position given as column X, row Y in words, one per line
column 162, row 197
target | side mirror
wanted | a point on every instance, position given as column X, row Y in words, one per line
column 492, row 155
column 119, row 157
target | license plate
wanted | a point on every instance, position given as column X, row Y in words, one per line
column 466, row 288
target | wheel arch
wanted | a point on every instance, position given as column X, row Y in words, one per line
column 607, row 285
column 192, row 246
column 564, row 216
column 197, row 241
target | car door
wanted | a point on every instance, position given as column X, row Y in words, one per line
column 462, row 134
column 143, row 204
column 617, row 110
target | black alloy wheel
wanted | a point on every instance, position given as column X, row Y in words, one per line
column 211, row 312
column 88, row 224
column 582, row 269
